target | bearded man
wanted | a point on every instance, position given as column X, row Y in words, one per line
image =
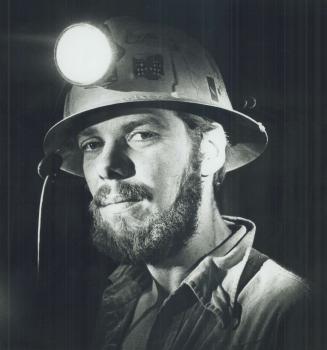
column 153, row 136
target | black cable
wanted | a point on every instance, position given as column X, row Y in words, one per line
column 39, row 224
column 47, row 169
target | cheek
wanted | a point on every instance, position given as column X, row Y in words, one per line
column 90, row 178
column 163, row 171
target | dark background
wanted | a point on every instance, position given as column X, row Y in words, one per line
column 270, row 50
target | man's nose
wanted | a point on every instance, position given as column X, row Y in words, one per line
column 113, row 163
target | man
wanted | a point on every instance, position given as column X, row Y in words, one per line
column 154, row 134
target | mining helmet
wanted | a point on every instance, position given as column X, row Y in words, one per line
column 126, row 64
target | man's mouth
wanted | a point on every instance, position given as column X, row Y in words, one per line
column 112, row 201
column 120, row 206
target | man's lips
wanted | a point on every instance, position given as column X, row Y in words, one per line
column 104, row 202
column 118, row 207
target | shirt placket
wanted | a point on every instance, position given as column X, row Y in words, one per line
column 169, row 320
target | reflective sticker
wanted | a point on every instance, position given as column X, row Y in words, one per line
column 212, row 89
column 150, row 67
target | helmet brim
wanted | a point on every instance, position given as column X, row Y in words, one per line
column 247, row 138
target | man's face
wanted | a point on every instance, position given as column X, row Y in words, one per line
column 143, row 172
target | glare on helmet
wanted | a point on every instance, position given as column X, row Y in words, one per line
column 83, row 54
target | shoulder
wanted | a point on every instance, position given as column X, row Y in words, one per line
column 275, row 306
column 276, row 288
column 286, row 280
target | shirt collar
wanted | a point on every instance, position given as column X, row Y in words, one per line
column 216, row 278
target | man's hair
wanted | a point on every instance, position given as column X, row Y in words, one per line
column 197, row 126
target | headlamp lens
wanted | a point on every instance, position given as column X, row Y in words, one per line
column 83, row 54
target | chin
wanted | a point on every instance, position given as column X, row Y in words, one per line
column 130, row 218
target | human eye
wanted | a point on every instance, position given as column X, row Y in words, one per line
column 90, row 145
column 142, row 136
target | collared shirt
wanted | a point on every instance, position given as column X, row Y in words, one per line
column 208, row 311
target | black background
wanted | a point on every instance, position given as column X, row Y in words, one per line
column 270, row 50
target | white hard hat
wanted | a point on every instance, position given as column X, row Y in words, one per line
column 153, row 67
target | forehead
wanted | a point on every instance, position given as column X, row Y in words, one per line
column 158, row 118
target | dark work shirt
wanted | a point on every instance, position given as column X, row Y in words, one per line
column 208, row 310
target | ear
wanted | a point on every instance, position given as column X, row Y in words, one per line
column 213, row 146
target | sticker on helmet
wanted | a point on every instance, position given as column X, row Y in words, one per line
column 150, row 67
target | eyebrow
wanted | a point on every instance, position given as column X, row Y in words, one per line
column 144, row 121
column 87, row 132
column 129, row 126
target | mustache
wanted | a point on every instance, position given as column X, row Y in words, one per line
column 123, row 192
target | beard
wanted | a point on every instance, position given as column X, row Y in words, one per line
column 161, row 235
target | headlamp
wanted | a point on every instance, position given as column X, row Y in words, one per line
column 83, row 54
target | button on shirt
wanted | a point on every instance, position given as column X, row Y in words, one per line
column 208, row 310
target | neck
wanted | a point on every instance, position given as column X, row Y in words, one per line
column 211, row 231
